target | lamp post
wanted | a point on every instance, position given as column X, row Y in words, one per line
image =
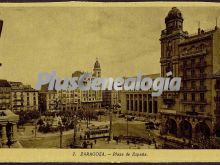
column 57, row 105
column 110, row 121
column 61, row 134
column 75, row 129
column 127, row 123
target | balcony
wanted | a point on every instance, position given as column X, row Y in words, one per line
column 197, row 102
column 197, row 76
column 5, row 97
column 193, row 53
column 18, row 100
column 201, row 88
column 201, row 64
column 185, row 67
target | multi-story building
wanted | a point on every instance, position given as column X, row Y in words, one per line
column 139, row 103
column 189, row 113
column 5, row 95
column 110, row 98
column 90, row 99
column 23, row 97
column 69, row 100
column 8, row 120
column 47, row 99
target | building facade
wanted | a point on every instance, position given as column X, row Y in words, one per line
column 110, row 98
column 71, row 100
column 139, row 103
column 90, row 99
column 189, row 113
column 23, row 97
column 5, row 95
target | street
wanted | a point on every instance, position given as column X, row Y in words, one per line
column 27, row 138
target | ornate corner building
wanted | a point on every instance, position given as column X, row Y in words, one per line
column 194, row 110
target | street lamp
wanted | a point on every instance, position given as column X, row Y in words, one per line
column 127, row 123
column 75, row 129
column 57, row 105
column 109, row 108
column 61, row 133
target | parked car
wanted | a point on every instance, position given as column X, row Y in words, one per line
column 149, row 125
column 130, row 118
column 121, row 115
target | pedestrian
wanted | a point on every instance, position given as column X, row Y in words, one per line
column 84, row 144
column 128, row 142
column 91, row 145
column 95, row 141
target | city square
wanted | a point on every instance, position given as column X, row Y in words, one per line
column 177, row 108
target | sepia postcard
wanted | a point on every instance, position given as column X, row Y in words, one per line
column 110, row 82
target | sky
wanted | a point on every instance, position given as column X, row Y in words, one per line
column 65, row 39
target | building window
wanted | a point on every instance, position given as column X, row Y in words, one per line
column 202, row 97
column 201, row 59
column 201, row 83
column 193, row 97
column 202, row 109
column 135, row 105
column 140, row 106
column 150, row 107
column 193, row 62
column 193, row 84
column 185, row 96
column 193, row 72
column 193, row 108
column 127, row 104
column 145, row 106
column 155, row 106
column 132, row 108
column 185, row 84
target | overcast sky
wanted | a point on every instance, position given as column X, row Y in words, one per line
column 66, row 39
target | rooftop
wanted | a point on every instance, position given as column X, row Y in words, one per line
column 4, row 83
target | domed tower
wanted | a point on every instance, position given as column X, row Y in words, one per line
column 170, row 38
column 97, row 69
column 174, row 20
